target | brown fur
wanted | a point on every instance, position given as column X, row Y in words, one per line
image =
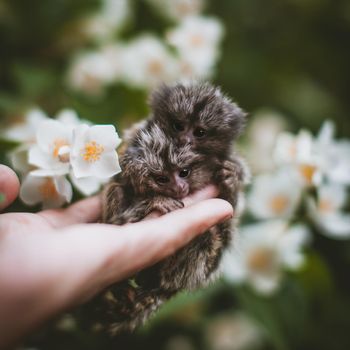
column 157, row 148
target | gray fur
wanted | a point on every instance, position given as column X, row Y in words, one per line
column 155, row 148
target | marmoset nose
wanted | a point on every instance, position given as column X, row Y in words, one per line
column 186, row 139
column 182, row 189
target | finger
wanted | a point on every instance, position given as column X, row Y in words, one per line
column 84, row 211
column 164, row 235
column 9, row 186
column 121, row 251
column 208, row 192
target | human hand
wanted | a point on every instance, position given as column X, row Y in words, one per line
column 54, row 259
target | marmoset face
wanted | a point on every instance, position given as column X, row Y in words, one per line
column 155, row 165
column 198, row 115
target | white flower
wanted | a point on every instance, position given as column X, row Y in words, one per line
column 233, row 331
column 326, row 134
column 25, row 130
column 261, row 253
column 289, row 147
column 196, row 40
column 148, row 62
column 53, row 192
column 178, row 9
column 335, row 155
column 196, row 35
column 90, row 72
column 87, row 185
column 51, row 153
column 191, row 68
column 316, row 158
column 19, row 159
column 69, row 117
column 302, row 152
column 262, row 134
column 327, row 211
column 111, row 18
column 93, row 152
column 331, row 198
column 337, row 162
column 335, row 225
column 274, row 195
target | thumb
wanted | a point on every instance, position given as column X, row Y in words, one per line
column 9, row 186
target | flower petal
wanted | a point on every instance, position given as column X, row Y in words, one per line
column 53, row 192
column 64, row 188
column 105, row 135
column 19, row 159
column 336, row 225
column 266, row 285
column 29, row 192
column 86, row 185
column 51, row 130
column 51, row 172
column 107, row 166
column 48, row 165
column 39, row 158
column 79, row 140
column 25, row 131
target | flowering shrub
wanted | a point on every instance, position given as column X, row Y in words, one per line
column 286, row 282
column 189, row 50
column 52, row 149
column 305, row 184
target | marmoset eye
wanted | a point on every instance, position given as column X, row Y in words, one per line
column 162, row 179
column 199, row 132
column 178, row 126
column 184, row 172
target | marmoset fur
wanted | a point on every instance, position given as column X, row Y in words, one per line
column 199, row 114
column 185, row 145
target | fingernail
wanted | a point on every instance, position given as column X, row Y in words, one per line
column 227, row 217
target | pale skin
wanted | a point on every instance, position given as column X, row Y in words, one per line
column 55, row 259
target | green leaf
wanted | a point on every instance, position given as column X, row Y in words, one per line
column 8, row 145
column 33, row 80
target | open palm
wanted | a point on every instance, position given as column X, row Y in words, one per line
column 54, row 259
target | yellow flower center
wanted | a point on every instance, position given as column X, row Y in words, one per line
column 293, row 150
column 185, row 8
column 308, row 172
column 261, row 260
column 48, row 189
column 279, row 203
column 92, row 151
column 325, row 206
column 155, row 67
column 197, row 40
column 186, row 69
column 57, row 144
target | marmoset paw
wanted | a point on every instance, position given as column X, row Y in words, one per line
column 164, row 205
column 228, row 174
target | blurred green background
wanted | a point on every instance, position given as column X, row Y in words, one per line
column 291, row 56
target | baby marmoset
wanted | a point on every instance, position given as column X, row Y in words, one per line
column 185, row 145
column 199, row 114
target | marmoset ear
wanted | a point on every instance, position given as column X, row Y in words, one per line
column 159, row 99
column 131, row 160
column 135, row 166
column 234, row 116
